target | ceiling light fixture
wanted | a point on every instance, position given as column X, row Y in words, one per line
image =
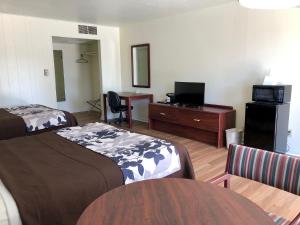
column 269, row 4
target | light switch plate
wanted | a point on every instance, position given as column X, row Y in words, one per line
column 46, row 72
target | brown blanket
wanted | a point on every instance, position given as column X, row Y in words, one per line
column 53, row 180
column 14, row 126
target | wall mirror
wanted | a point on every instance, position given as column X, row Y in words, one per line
column 140, row 65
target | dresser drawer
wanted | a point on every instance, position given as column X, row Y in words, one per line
column 201, row 120
column 189, row 118
column 162, row 113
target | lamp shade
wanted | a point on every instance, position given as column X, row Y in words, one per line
column 269, row 4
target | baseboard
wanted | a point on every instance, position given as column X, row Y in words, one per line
column 140, row 120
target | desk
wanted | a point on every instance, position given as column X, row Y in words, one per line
column 173, row 202
column 128, row 97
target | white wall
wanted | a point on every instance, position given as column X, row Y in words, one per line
column 26, row 50
column 110, row 59
column 228, row 47
column 78, row 78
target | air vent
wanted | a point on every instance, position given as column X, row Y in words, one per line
column 83, row 29
column 92, row 30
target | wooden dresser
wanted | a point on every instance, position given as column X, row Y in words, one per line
column 206, row 124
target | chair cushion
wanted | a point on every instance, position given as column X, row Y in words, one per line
column 274, row 169
column 124, row 108
column 278, row 220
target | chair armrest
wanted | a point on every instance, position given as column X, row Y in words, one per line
column 225, row 177
column 296, row 221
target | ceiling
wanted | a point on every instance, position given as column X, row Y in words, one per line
column 107, row 12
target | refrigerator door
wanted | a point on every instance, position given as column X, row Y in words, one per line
column 260, row 126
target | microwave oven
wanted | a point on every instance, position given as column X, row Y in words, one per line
column 272, row 93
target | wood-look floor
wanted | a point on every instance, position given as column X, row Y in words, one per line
column 209, row 161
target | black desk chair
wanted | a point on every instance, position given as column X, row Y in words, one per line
column 116, row 106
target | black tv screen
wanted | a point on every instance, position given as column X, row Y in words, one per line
column 189, row 93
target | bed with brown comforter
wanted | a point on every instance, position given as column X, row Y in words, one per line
column 53, row 179
column 12, row 125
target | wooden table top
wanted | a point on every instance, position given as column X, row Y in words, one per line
column 205, row 108
column 131, row 94
column 173, row 202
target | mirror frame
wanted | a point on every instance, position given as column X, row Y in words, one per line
column 132, row 67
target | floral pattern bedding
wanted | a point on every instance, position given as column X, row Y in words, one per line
column 139, row 157
column 38, row 117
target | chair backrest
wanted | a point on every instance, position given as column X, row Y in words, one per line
column 114, row 101
column 277, row 170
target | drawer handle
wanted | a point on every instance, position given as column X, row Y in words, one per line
column 197, row 120
column 163, row 114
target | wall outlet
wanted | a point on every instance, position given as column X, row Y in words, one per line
column 289, row 132
column 46, row 72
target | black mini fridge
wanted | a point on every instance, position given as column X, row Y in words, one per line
column 266, row 126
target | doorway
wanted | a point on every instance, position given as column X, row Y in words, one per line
column 77, row 73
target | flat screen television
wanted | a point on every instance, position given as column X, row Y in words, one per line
column 189, row 93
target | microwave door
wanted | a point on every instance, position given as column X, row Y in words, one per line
column 264, row 94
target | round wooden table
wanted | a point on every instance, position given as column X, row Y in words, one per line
column 173, row 202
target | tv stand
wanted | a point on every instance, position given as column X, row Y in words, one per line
column 204, row 123
column 191, row 106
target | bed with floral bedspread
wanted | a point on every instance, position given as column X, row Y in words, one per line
column 32, row 119
column 60, row 173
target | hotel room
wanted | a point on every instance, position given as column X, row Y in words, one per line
column 149, row 112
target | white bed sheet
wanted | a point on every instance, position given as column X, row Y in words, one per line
column 9, row 213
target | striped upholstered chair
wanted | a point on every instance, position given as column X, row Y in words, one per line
column 277, row 170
